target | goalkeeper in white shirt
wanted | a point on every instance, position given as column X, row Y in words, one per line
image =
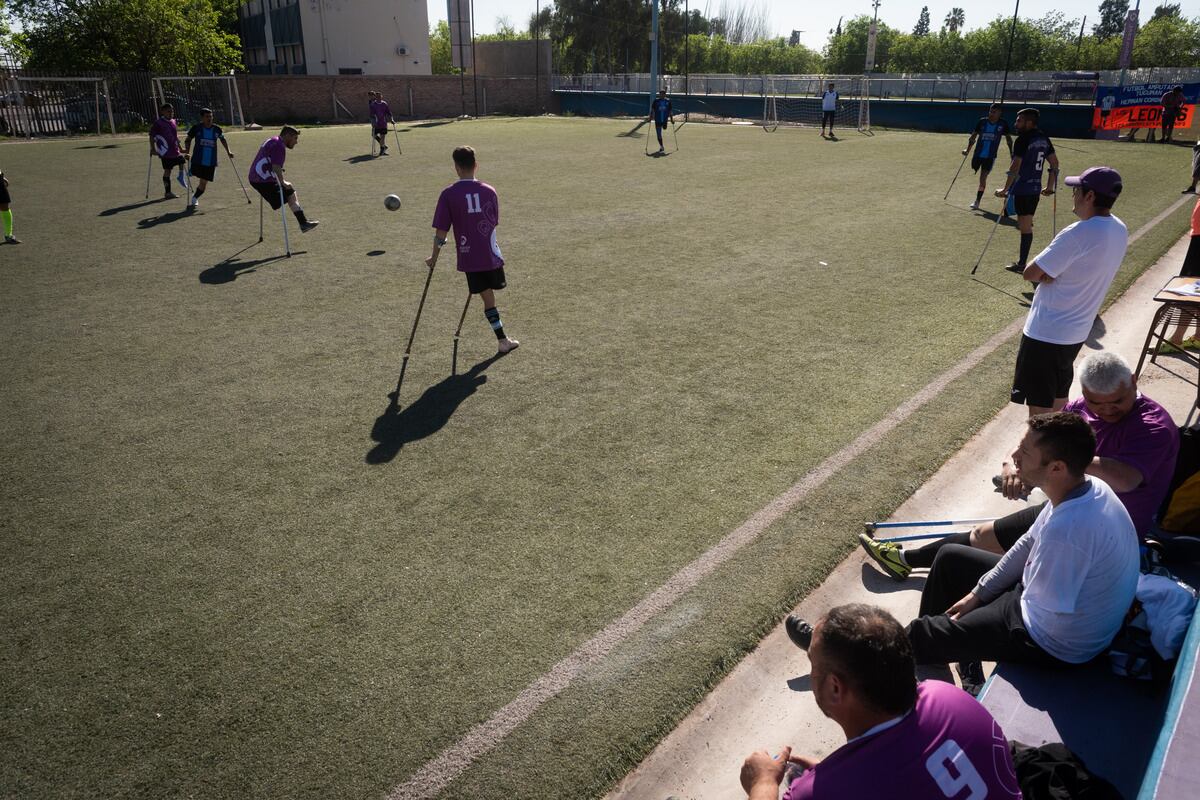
column 829, row 101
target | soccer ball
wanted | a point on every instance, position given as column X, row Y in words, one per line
column 392, row 201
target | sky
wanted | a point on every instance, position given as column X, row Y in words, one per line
column 816, row 19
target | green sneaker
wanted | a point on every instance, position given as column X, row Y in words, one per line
column 886, row 555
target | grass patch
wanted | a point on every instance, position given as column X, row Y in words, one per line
column 231, row 574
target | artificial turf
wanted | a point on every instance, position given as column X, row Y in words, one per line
column 232, row 570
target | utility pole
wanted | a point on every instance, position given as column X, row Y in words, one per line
column 653, row 49
column 1012, row 33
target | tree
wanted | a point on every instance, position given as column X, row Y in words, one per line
column 165, row 36
column 955, row 19
column 1112, row 19
column 922, row 28
column 1167, row 10
column 1168, row 41
column 441, row 60
column 847, row 53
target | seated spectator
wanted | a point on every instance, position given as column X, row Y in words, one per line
column 903, row 739
column 1137, row 444
column 1060, row 593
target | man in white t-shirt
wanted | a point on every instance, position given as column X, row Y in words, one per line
column 1073, row 274
column 828, row 106
column 1060, row 594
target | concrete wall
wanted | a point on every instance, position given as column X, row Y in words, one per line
column 268, row 99
column 365, row 34
column 1070, row 121
column 518, row 57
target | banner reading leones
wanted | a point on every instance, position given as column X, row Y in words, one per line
column 1140, row 106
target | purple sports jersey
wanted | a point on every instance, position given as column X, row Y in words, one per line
column 472, row 209
column 1147, row 439
column 947, row 746
column 380, row 113
column 271, row 154
column 164, row 134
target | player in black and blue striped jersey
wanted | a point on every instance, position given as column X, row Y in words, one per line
column 988, row 131
column 660, row 112
column 204, row 161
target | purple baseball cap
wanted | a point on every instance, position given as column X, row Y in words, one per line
column 1101, row 180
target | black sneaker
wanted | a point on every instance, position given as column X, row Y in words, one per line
column 1016, row 267
column 970, row 675
column 305, row 227
column 799, row 631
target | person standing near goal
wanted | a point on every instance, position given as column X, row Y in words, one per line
column 1029, row 156
column 988, row 130
column 266, row 176
column 381, row 115
column 6, row 212
column 829, row 101
column 472, row 209
column 164, row 143
column 661, row 111
column 204, row 163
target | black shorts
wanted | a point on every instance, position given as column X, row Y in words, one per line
column 270, row 193
column 482, row 281
column 378, row 131
column 1191, row 260
column 169, row 163
column 1044, row 372
column 985, row 164
column 204, row 173
column 827, row 116
column 5, row 199
column 1014, row 526
column 1026, row 204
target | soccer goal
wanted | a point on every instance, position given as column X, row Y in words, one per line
column 59, row 106
column 797, row 102
column 189, row 94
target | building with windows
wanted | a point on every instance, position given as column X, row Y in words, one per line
column 335, row 37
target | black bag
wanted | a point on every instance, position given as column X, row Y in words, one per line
column 1052, row 772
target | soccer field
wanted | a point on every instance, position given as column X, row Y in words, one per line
column 231, row 571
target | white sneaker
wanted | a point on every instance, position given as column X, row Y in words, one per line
column 974, row 205
column 193, row 203
column 507, row 345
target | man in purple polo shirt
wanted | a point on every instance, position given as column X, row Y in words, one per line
column 266, row 175
column 472, row 209
column 164, row 143
column 381, row 114
column 904, row 740
column 1137, row 444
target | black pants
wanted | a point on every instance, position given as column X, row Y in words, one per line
column 994, row 631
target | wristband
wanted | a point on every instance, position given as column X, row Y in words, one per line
column 438, row 242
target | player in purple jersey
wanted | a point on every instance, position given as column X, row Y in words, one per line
column 381, row 115
column 472, row 209
column 164, row 143
column 904, row 740
column 266, row 175
column 1030, row 154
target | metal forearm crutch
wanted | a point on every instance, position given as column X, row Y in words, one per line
column 411, row 337
column 238, row 175
column 149, row 169
column 960, row 166
column 287, row 248
column 457, row 334
column 396, row 133
column 989, row 241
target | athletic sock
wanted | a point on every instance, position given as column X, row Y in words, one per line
column 167, row 183
column 978, row 197
column 299, row 212
column 7, row 217
column 922, row 557
column 493, row 317
column 1026, row 243
column 196, row 194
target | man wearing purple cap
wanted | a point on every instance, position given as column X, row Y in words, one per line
column 1073, row 274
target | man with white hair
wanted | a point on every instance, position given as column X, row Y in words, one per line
column 1136, row 446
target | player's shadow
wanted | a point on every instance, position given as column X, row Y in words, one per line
column 229, row 269
column 659, row 154
column 170, row 216
column 990, row 216
column 425, row 416
column 373, row 253
column 109, row 212
column 635, row 131
column 1023, row 303
column 97, row 147
column 360, row 159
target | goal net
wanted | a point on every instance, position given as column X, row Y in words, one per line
column 191, row 93
column 55, row 106
column 799, row 103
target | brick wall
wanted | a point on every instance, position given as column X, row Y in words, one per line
column 273, row 99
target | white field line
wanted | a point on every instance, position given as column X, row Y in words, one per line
column 437, row 774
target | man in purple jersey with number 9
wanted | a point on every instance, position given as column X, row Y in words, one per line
column 904, row 740
column 472, row 209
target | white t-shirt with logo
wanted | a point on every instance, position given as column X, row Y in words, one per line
column 829, row 101
column 1083, row 259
